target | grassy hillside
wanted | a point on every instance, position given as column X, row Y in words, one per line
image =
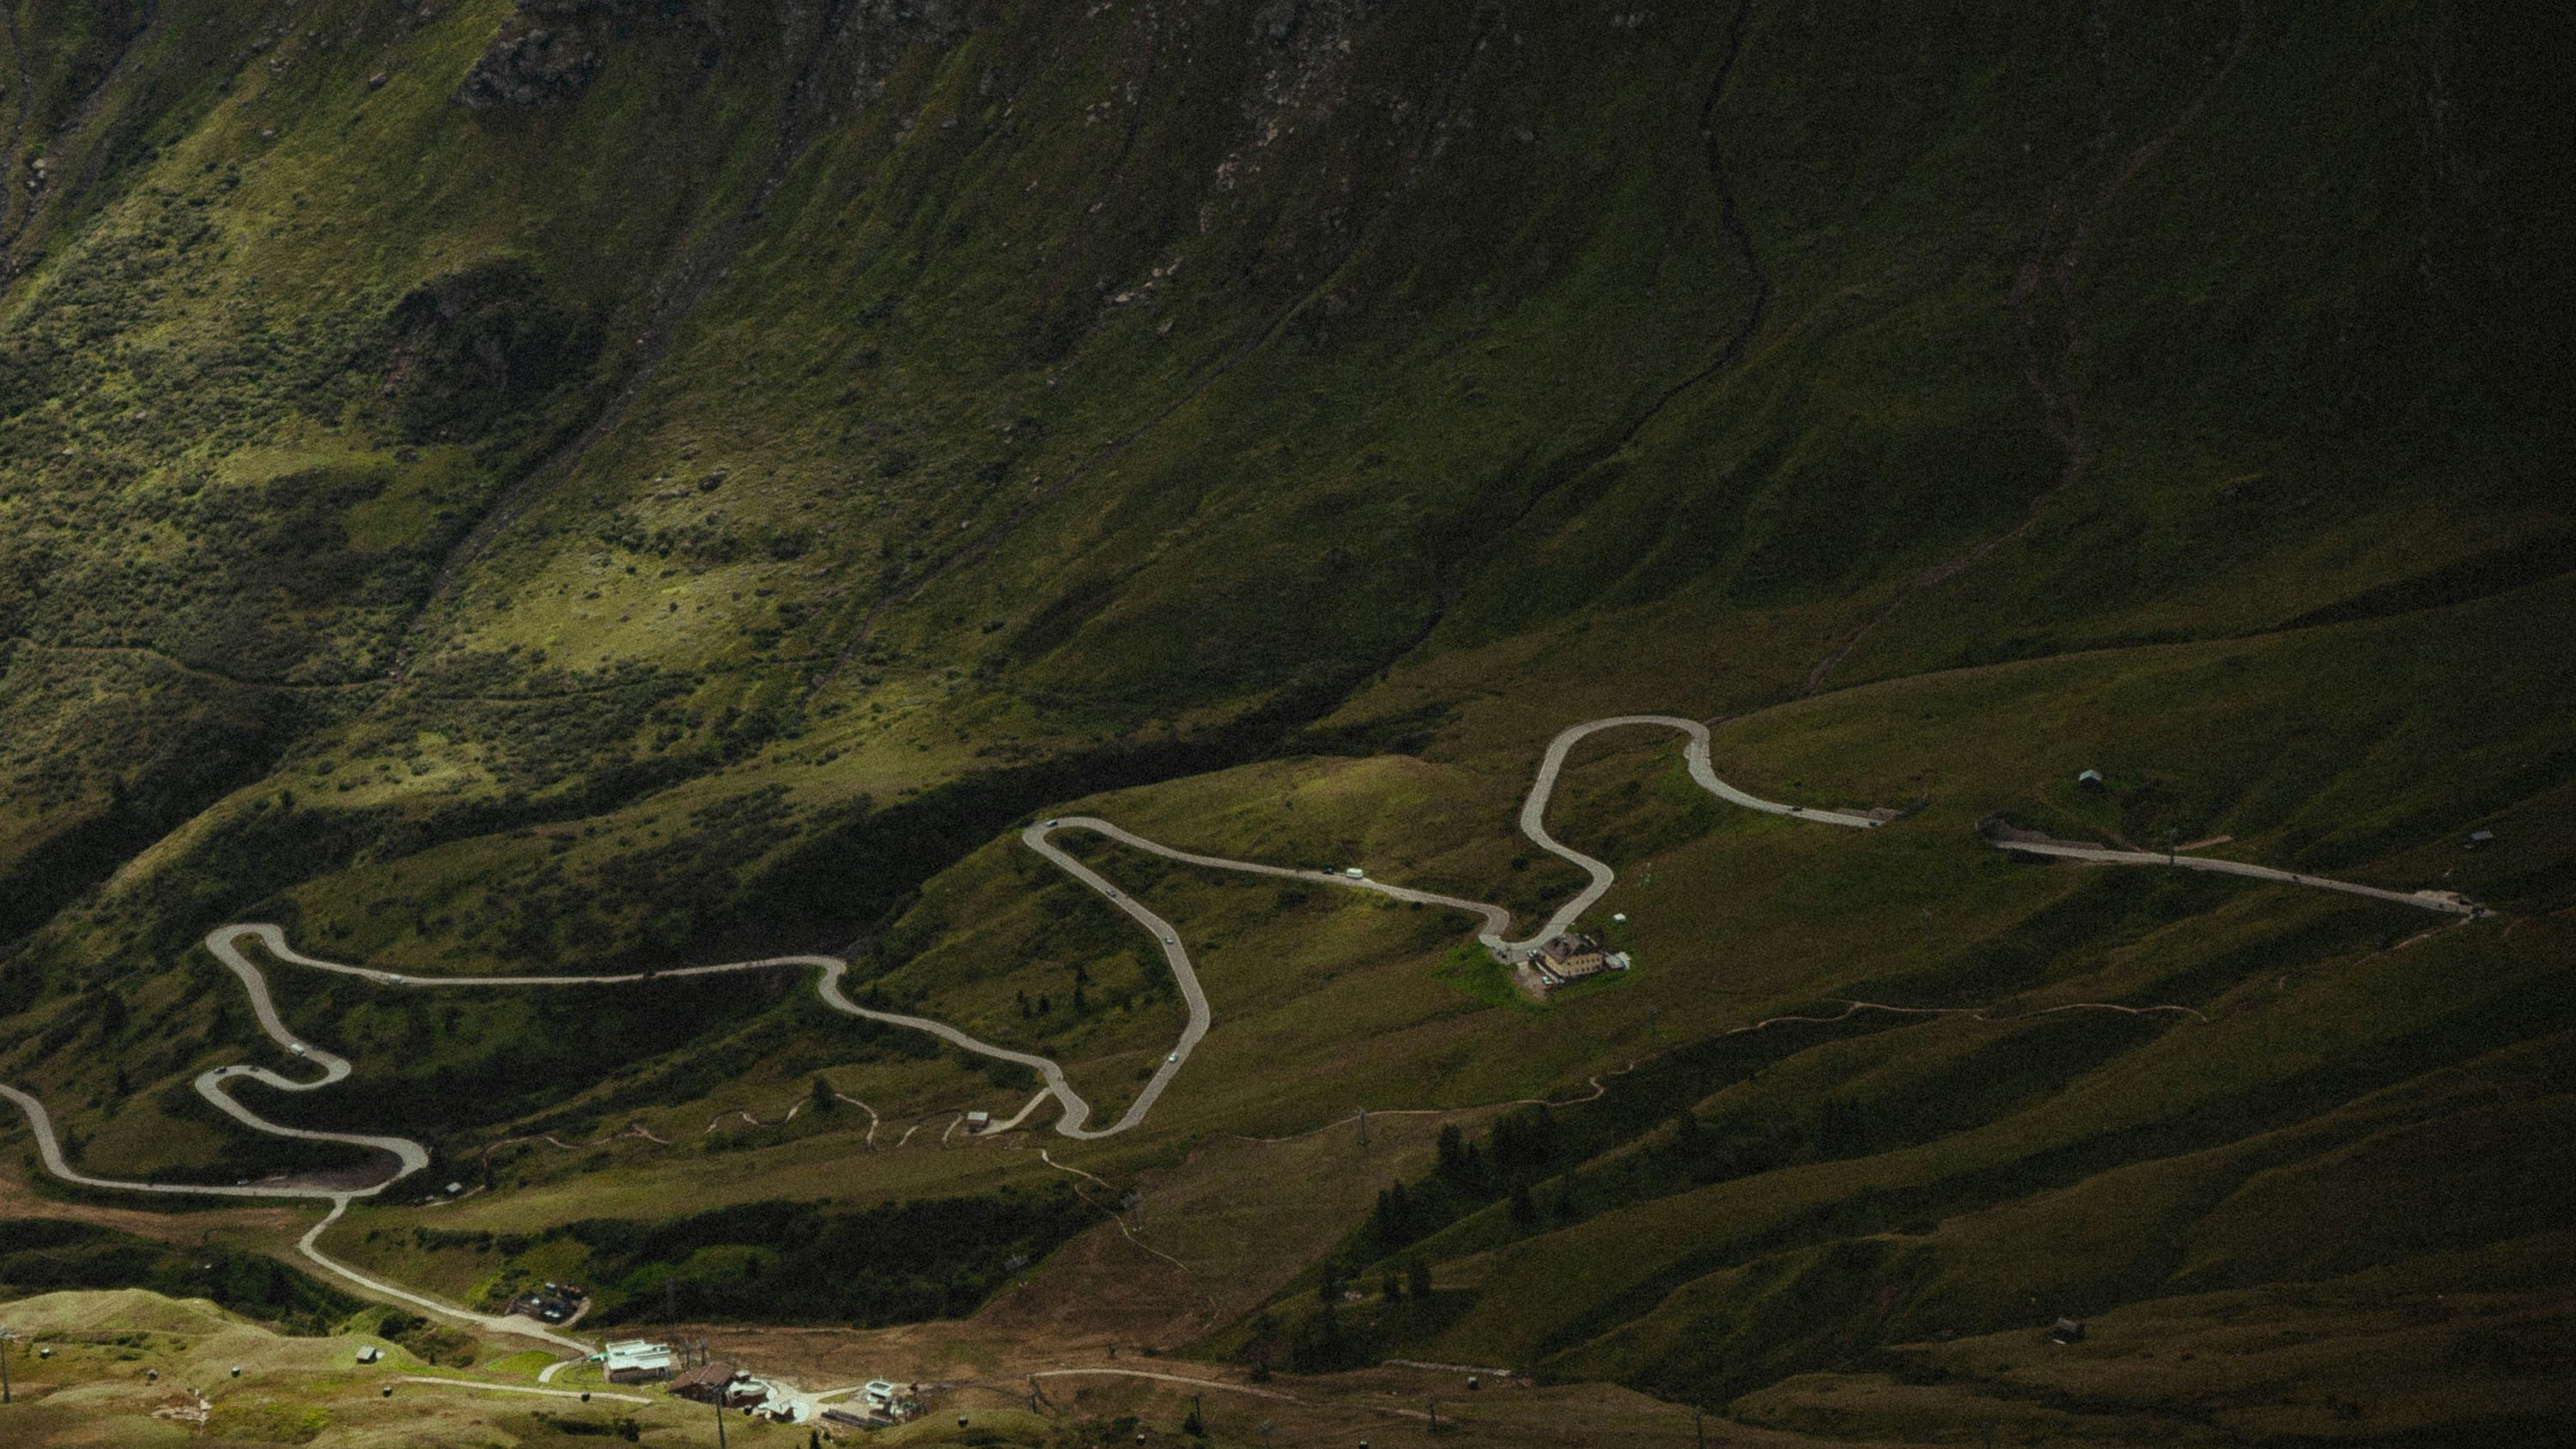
column 513, row 486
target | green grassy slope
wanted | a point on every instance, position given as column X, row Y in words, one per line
column 702, row 512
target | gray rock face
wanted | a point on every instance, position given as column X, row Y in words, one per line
column 548, row 50
column 538, row 67
column 869, row 37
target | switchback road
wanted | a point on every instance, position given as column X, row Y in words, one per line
column 1074, row 1118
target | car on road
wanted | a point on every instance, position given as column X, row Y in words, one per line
column 1174, row 1057
column 1167, row 940
column 1050, row 825
column 298, row 1049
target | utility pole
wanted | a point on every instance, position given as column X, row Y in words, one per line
column 2169, row 847
column 1364, row 1126
column 5, row 1336
column 1650, row 1022
column 1927, row 933
column 1699, row 1429
column 720, row 1419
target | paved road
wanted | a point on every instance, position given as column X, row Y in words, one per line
column 1694, row 754
column 1533, row 822
column 447, row 1383
column 50, row 1149
column 1074, row 1119
column 2448, row 902
column 226, row 944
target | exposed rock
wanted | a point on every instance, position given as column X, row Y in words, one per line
column 484, row 346
column 548, row 50
column 870, row 37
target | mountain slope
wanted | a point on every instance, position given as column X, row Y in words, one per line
column 579, row 484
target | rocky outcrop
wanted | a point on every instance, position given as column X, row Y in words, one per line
column 548, row 50
column 868, row 38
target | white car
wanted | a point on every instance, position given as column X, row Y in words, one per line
column 1174, row 1057
column 1167, row 940
column 298, row 1049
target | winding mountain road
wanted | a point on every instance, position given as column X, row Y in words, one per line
column 51, row 1150
column 2006, row 838
column 1074, row 1118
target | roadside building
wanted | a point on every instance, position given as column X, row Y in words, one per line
column 978, row 1121
column 766, row 1400
column 552, row 1303
column 636, row 1360
column 879, row 1403
column 1569, row 956
column 708, row 1383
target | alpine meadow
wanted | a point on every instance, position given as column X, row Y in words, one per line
column 1309, row 722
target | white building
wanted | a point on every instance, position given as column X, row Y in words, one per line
column 634, row 1359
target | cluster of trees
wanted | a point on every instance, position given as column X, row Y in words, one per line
column 44, row 1255
column 1522, row 1147
column 427, row 1341
column 537, row 1042
column 1328, row 1340
column 782, row 1261
column 486, row 347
